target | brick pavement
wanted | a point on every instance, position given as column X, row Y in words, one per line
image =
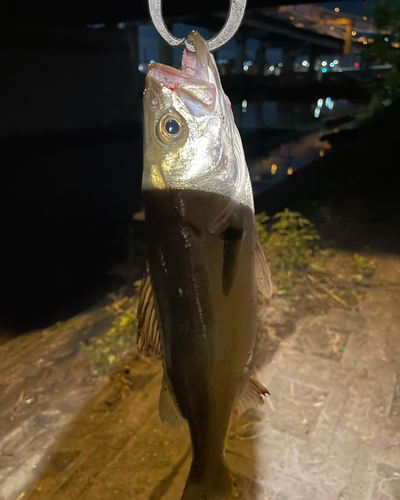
column 331, row 430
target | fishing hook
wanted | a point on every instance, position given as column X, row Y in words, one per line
column 235, row 16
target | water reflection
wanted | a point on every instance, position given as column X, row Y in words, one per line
column 252, row 115
column 285, row 159
column 282, row 136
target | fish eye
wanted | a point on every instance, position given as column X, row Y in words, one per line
column 170, row 129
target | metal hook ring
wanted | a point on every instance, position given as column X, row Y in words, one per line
column 235, row 16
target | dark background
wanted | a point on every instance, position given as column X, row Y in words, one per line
column 71, row 151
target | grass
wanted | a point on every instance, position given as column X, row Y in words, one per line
column 114, row 344
column 302, row 267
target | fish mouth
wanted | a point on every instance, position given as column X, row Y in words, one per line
column 193, row 82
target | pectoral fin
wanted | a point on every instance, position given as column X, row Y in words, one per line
column 263, row 273
column 148, row 332
column 252, row 395
column 167, row 409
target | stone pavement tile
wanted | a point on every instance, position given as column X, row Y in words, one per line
column 171, row 487
column 352, row 353
column 143, row 463
column 246, row 488
column 285, row 362
column 327, row 421
column 311, row 370
column 281, row 486
column 395, row 409
column 323, row 340
column 95, row 438
column 342, row 454
column 331, row 471
column 326, row 336
column 322, row 373
column 387, row 483
column 274, row 450
column 360, row 484
column 382, row 342
column 369, row 398
column 297, row 406
column 31, row 444
column 269, row 449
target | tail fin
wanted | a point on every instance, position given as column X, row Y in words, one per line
column 214, row 484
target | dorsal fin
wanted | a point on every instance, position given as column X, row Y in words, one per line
column 148, row 332
column 263, row 273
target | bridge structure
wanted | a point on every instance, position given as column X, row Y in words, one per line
column 275, row 23
column 309, row 30
column 136, row 11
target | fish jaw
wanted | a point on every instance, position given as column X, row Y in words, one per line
column 194, row 83
column 173, row 85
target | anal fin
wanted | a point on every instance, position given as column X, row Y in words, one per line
column 252, row 395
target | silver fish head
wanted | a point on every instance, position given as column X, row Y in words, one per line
column 190, row 137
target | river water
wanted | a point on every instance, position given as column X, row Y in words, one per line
column 280, row 137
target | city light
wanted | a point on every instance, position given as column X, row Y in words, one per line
column 356, row 64
column 365, row 18
column 244, row 103
column 324, row 70
column 332, row 64
column 274, row 168
column 335, row 61
column 324, row 63
column 290, row 171
column 305, row 63
column 317, row 112
column 271, row 68
column 321, row 153
column 370, row 40
column 336, row 9
column 354, row 33
column 151, row 61
column 140, row 67
column 332, row 28
column 280, row 65
column 386, row 39
column 329, row 103
column 320, row 103
column 291, row 18
column 245, row 67
column 365, row 42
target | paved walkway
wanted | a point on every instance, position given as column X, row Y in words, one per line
column 331, row 430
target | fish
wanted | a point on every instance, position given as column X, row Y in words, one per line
column 198, row 300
